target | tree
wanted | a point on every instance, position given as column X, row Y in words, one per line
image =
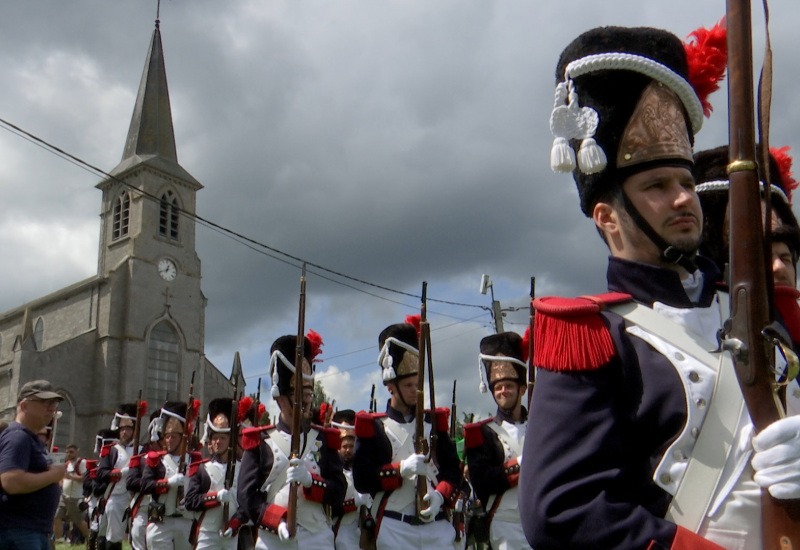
column 320, row 396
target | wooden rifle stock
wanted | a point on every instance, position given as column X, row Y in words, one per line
column 420, row 442
column 186, row 435
column 257, row 421
column 531, row 371
column 230, row 470
column 373, row 405
column 453, row 423
column 297, row 400
column 750, row 285
column 137, row 429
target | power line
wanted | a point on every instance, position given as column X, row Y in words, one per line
column 238, row 237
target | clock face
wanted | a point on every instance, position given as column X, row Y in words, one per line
column 167, row 269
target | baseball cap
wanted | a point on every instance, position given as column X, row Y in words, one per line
column 41, row 389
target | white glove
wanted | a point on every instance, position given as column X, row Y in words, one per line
column 123, row 472
column 227, row 533
column 777, row 458
column 298, row 473
column 459, row 506
column 283, row 532
column 435, row 501
column 175, row 480
column 363, row 499
column 414, row 465
column 224, row 495
column 519, row 459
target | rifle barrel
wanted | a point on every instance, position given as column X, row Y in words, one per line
column 297, row 405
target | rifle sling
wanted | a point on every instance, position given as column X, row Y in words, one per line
column 693, row 497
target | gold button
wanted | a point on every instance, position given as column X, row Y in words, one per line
column 628, row 156
column 666, row 479
column 694, row 377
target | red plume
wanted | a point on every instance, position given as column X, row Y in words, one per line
column 784, row 161
column 142, row 408
column 244, row 407
column 526, row 340
column 316, row 345
column 195, row 410
column 707, row 55
column 415, row 321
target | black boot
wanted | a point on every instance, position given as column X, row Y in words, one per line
column 91, row 541
column 101, row 543
column 114, row 545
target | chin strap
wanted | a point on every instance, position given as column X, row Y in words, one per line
column 669, row 253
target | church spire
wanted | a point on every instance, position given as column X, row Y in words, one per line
column 151, row 131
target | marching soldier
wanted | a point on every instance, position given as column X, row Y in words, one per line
column 169, row 523
column 625, row 385
column 268, row 473
column 385, row 464
column 112, row 470
column 207, row 493
column 494, row 446
column 346, row 516
column 94, row 491
column 137, row 510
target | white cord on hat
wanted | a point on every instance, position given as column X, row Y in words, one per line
column 386, row 361
column 570, row 121
column 117, row 418
column 273, row 369
column 724, row 185
column 483, row 386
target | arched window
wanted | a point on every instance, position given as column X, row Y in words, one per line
column 122, row 216
column 168, row 216
column 38, row 333
column 162, row 364
column 64, row 425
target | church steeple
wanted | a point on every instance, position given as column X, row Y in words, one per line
column 151, row 138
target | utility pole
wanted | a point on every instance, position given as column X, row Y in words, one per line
column 497, row 313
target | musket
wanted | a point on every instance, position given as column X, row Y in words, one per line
column 531, row 371
column 420, row 442
column 453, row 413
column 747, row 334
column 184, row 439
column 373, row 405
column 297, row 398
column 230, row 470
column 137, row 429
column 257, row 421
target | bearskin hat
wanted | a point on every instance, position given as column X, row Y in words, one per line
column 220, row 406
column 624, row 104
column 125, row 410
column 502, row 357
column 282, row 358
column 713, row 186
column 399, row 356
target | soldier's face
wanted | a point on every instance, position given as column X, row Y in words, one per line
column 218, row 443
column 666, row 199
column 783, row 268
column 507, row 394
column 125, row 431
column 347, row 449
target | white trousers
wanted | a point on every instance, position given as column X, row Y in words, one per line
column 212, row 540
column 348, row 537
column 115, row 509
column 303, row 540
column 507, row 535
column 139, row 529
column 395, row 534
column 169, row 534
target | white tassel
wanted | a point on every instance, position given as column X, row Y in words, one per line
column 275, row 391
column 482, row 386
column 389, row 374
column 591, row 157
column 562, row 157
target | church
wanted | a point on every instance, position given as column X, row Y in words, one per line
column 139, row 323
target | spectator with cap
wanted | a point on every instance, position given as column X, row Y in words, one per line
column 30, row 483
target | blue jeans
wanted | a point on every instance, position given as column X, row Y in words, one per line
column 23, row 539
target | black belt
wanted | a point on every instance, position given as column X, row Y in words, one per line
column 412, row 520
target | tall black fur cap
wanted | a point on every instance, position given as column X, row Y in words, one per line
column 220, row 406
column 508, row 344
column 287, row 345
column 404, row 332
column 614, row 94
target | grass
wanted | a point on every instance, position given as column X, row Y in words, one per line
column 65, row 546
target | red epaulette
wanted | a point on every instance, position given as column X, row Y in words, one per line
column 786, row 301
column 195, row 465
column 106, row 449
column 90, row 464
column 364, row 423
column 473, row 435
column 251, row 437
column 332, row 436
column 570, row 334
column 194, row 456
column 442, row 418
column 136, row 460
column 154, row 458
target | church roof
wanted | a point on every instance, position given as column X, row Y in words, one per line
column 151, row 138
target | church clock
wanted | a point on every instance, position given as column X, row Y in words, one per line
column 167, row 269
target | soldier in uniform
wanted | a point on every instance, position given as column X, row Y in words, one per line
column 96, row 490
column 137, row 509
column 169, row 524
column 627, row 393
column 268, row 472
column 494, row 446
column 112, row 470
column 207, row 493
column 346, row 516
column 385, row 464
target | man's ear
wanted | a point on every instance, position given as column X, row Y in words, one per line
column 605, row 218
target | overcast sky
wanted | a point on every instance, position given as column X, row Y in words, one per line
column 391, row 141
